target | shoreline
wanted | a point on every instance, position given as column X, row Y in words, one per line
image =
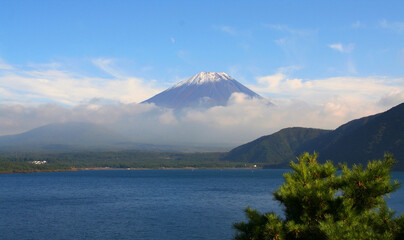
column 108, row 168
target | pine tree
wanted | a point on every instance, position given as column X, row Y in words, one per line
column 322, row 203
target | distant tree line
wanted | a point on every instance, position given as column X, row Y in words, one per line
column 22, row 161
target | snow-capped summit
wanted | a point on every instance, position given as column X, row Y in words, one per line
column 204, row 77
column 205, row 89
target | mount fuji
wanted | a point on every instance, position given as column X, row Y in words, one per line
column 205, row 89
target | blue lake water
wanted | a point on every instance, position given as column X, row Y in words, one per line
column 138, row 204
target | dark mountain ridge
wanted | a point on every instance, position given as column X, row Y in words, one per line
column 275, row 148
column 355, row 142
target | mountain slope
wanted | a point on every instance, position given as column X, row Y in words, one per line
column 69, row 135
column 84, row 136
column 321, row 143
column 357, row 141
column 274, row 148
column 378, row 134
column 205, row 89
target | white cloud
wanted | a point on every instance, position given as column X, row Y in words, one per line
column 368, row 88
column 60, row 86
column 242, row 120
column 337, row 46
column 15, row 118
column 344, row 97
column 168, row 118
column 342, row 48
column 271, row 82
column 320, row 103
column 392, row 98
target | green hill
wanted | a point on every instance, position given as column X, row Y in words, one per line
column 357, row 141
column 369, row 140
column 274, row 148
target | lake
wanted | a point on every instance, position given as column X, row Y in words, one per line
column 138, row 204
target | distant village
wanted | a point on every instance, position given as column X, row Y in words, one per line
column 38, row 162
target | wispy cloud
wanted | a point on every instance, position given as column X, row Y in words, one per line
column 296, row 43
column 245, row 34
column 226, row 29
column 351, row 67
column 50, row 65
column 397, row 27
column 5, row 66
column 358, row 24
column 184, row 55
column 401, row 56
column 43, row 84
column 348, row 48
column 288, row 29
column 281, row 41
column 106, row 65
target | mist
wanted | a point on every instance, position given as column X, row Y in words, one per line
column 36, row 97
column 242, row 120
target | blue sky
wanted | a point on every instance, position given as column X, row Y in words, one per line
column 340, row 59
column 167, row 40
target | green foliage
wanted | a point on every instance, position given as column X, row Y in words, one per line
column 320, row 203
column 267, row 226
column 21, row 161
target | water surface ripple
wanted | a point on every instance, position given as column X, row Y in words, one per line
column 137, row 204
